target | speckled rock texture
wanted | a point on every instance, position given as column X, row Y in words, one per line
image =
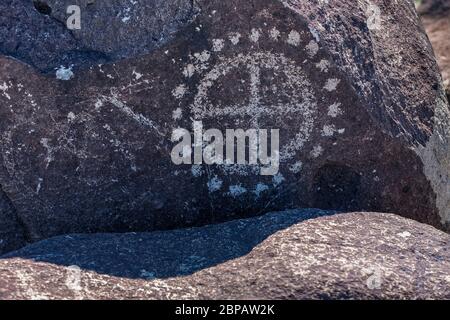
column 86, row 148
column 163, row 254
column 346, row 256
column 35, row 31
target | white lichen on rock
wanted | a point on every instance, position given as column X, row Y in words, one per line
column 317, row 151
column 179, row 91
column 255, row 35
column 294, row 38
column 331, row 84
column 274, row 34
column 234, row 38
column 237, row 190
column 64, row 73
column 278, row 179
column 177, row 114
column 312, row 48
column 323, row 65
column 218, row 45
column 260, row 188
column 215, row 184
column 296, row 167
column 334, row 110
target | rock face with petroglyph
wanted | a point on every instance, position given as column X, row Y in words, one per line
column 88, row 148
column 345, row 256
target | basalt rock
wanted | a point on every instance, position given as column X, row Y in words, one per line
column 12, row 233
column 163, row 255
column 37, row 31
column 358, row 102
column 348, row 256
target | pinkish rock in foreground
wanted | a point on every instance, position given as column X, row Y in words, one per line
column 347, row 256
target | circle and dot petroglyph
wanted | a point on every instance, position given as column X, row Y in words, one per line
column 302, row 101
column 272, row 90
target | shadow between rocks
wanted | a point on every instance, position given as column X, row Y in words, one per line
column 163, row 254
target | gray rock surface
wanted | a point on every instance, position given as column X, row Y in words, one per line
column 35, row 31
column 163, row 254
column 347, row 256
column 364, row 124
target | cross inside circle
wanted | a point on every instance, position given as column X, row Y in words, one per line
column 293, row 101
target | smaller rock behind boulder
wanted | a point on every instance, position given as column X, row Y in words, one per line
column 436, row 19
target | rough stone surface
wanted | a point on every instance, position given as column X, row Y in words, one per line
column 35, row 31
column 12, row 233
column 163, row 254
column 347, row 256
column 436, row 18
column 363, row 120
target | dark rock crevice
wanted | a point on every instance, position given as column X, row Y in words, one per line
column 14, row 233
column 337, row 187
column 42, row 7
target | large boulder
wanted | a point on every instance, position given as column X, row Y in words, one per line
column 347, row 256
column 358, row 101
